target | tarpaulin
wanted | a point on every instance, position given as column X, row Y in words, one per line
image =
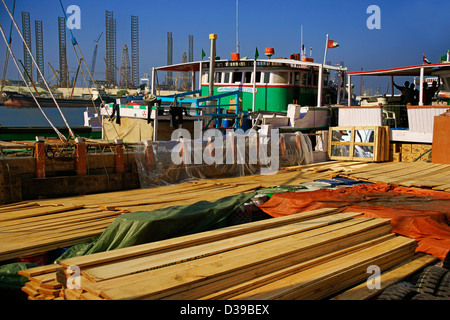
column 420, row 214
column 141, row 227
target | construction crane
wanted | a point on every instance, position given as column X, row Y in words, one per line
column 94, row 58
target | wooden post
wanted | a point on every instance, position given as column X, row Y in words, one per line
column 40, row 157
column 119, row 156
column 149, row 156
column 80, row 161
column 283, row 144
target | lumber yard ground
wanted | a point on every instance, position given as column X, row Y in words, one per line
column 305, row 244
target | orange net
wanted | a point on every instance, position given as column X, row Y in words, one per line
column 420, row 214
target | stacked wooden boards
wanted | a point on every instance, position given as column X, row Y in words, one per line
column 29, row 229
column 405, row 174
column 311, row 255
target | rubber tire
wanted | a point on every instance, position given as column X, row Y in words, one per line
column 397, row 292
column 430, row 279
column 446, row 263
column 443, row 290
column 425, row 296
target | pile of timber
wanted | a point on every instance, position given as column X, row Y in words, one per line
column 30, row 229
column 311, row 255
column 406, row 174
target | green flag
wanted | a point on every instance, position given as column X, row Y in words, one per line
column 203, row 54
column 256, row 53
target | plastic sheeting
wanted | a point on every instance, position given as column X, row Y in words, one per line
column 141, row 227
column 215, row 155
column 423, row 215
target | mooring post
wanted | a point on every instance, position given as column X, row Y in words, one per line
column 40, row 157
column 81, row 161
column 119, row 156
column 149, row 155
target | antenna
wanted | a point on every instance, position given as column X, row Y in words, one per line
column 303, row 47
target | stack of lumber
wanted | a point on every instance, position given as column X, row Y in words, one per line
column 406, row 174
column 310, row 255
column 29, row 229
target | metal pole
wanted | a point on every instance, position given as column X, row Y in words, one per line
column 320, row 84
column 349, row 90
column 254, row 87
column 422, row 71
column 326, row 50
column 212, row 63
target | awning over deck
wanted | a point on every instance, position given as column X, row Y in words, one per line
column 402, row 71
column 414, row 71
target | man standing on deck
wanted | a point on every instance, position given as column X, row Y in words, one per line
column 407, row 93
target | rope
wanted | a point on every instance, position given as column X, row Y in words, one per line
column 37, row 67
column 60, row 135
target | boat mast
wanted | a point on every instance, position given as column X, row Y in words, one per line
column 238, row 46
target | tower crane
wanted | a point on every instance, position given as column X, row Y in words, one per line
column 94, row 58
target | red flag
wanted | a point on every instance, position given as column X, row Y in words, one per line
column 332, row 44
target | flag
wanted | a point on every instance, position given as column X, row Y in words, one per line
column 332, row 44
column 256, row 53
column 425, row 60
column 203, row 54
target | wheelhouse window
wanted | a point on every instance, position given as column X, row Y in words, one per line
column 248, row 77
column 296, row 78
column 258, row 77
column 266, row 77
column 237, row 77
column 226, row 77
column 280, row 77
column 205, row 77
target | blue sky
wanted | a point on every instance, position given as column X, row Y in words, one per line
column 408, row 29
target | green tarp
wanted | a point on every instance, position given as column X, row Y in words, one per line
column 143, row 227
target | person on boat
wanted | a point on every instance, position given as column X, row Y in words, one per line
column 426, row 95
column 432, row 91
column 407, row 93
column 415, row 94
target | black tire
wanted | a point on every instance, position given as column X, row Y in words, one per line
column 425, row 296
column 443, row 290
column 446, row 263
column 430, row 280
column 397, row 292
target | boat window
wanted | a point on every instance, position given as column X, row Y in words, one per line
column 237, row 77
column 266, row 77
column 280, row 77
column 309, row 83
column 248, row 77
column 303, row 81
column 316, row 79
column 226, row 77
column 219, row 77
column 205, row 77
column 326, row 77
column 258, row 77
column 297, row 79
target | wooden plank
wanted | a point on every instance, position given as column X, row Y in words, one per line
column 154, row 282
column 389, row 277
column 230, row 291
column 150, row 262
column 296, row 286
column 35, row 212
column 191, row 240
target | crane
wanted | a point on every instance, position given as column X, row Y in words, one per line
column 94, row 58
